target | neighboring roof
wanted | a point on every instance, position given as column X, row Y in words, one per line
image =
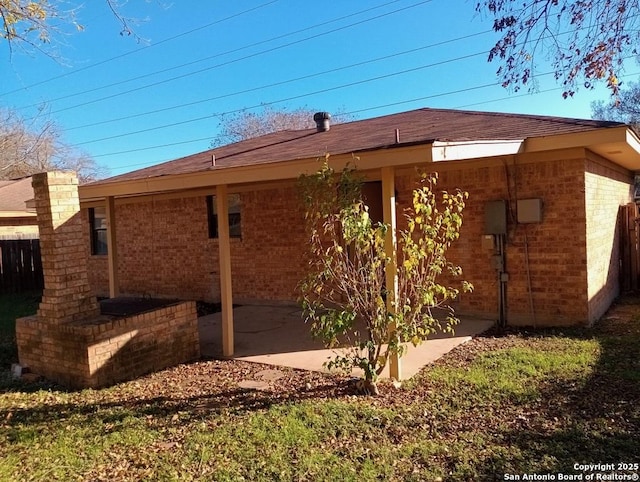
column 15, row 194
column 414, row 127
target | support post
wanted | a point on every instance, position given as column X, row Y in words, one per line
column 224, row 246
column 112, row 249
column 391, row 246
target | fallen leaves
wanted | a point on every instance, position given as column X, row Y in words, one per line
column 177, row 422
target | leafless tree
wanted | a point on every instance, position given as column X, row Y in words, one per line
column 626, row 108
column 246, row 124
column 28, row 148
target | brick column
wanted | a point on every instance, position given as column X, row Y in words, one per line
column 67, row 296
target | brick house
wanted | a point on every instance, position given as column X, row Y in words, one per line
column 20, row 265
column 549, row 188
column 17, row 216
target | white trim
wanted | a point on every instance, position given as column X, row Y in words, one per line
column 458, row 150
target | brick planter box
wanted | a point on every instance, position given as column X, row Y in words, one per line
column 105, row 350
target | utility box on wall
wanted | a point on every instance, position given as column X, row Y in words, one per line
column 495, row 217
column 529, row 211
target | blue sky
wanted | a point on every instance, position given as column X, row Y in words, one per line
column 130, row 104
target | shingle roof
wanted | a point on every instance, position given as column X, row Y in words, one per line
column 416, row 126
column 14, row 194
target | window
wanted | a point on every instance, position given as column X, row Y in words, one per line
column 98, row 225
column 235, row 230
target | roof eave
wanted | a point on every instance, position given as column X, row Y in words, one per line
column 413, row 153
column 17, row 214
column 620, row 144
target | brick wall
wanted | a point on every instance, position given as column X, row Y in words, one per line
column 104, row 351
column 68, row 341
column 164, row 249
column 21, row 228
column 556, row 247
column 607, row 187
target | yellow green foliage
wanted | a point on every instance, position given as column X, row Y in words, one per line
column 20, row 18
column 344, row 294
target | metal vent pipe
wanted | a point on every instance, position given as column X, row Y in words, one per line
column 322, row 120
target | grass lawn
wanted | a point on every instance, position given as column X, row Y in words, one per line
column 522, row 403
column 12, row 307
column 15, row 306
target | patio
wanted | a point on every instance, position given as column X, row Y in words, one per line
column 277, row 335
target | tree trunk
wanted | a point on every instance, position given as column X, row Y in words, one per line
column 367, row 387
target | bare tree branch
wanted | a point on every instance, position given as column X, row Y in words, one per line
column 247, row 125
column 586, row 41
column 625, row 108
column 35, row 23
column 28, row 149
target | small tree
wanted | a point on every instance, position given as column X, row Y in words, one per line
column 344, row 294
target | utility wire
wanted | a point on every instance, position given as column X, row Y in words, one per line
column 238, row 49
column 383, row 106
column 160, row 42
column 437, row 44
column 220, row 54
column 172, row 144
column 432, row 96
column 514, row 96
column 275, row 84
column 281, row 83
column 171, row 79
column 308, row 94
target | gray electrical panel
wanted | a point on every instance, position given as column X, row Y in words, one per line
column 529, row 211
column 495, row 217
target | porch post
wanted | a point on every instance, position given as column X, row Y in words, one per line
column 391, row 245
column 112, row 249
column 226, row 294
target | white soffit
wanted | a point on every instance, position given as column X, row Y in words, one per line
column 624, row 151
column 619, row 144
column 459, row 150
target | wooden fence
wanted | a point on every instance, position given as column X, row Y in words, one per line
column 629, row 247
column 20, row 265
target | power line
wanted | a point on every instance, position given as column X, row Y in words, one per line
column 250, row 56
column 83, row 104
column 245, row 47
column 275, row 84
column 358, row 111
column 159, row 146
column 432, row 96
column 253, row 89
column 163, row 41
column 308, row 94
column 321, row 91
column 219, row 54
column 514, row 96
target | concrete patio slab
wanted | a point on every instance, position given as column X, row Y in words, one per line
column 277, row 335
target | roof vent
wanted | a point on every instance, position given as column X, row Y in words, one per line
column 322, row 119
